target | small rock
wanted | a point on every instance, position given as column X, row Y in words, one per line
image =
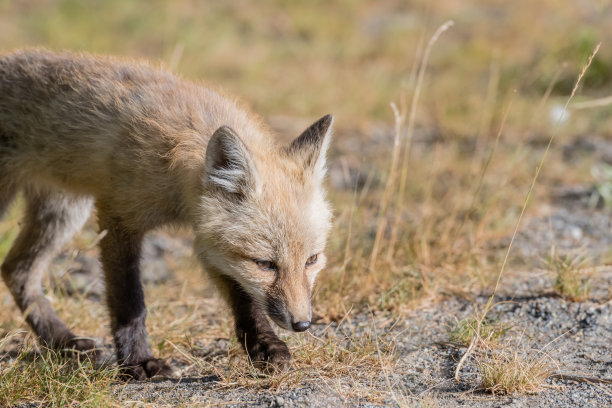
column 575, row 232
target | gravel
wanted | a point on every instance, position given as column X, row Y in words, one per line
column 575, row 336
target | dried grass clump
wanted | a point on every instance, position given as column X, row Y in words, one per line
column 571, row 282
column 504, row 371
column 49, row 379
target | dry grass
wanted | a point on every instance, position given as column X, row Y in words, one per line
column 571, row 282
column 505, row 371
column 45, row 378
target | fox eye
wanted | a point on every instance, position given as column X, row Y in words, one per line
column 312, row 260
column 266, row 265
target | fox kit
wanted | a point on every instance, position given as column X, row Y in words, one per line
column 146, row 148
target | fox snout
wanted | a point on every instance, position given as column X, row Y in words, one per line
column 296, row 318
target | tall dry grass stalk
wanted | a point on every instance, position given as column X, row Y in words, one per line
column 535, row 178
column 410, row 127
column 388, row 192
column 476, row 339
column 488, row 106
column 392, row 184
column 415, row 100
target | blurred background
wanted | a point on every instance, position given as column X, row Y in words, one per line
column 347, row 57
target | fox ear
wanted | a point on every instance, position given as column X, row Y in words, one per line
column 228, row 162
column 310, row 147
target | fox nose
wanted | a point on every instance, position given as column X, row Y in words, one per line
column 300, row 326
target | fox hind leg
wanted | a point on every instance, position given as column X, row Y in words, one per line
column 51, row 219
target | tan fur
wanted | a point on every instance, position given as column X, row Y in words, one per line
column 153, row 149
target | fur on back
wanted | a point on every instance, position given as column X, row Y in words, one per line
column 80, row 122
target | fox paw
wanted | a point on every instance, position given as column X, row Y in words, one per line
column 270, row 356
column 155, row 367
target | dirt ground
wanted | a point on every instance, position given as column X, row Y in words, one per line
column 576, row 337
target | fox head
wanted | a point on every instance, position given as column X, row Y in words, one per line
column 265, row 219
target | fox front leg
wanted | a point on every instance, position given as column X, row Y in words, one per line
column 266, row 351
column 120, row 250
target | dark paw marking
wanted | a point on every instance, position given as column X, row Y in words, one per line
column 270, row 355
column 147, row 369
